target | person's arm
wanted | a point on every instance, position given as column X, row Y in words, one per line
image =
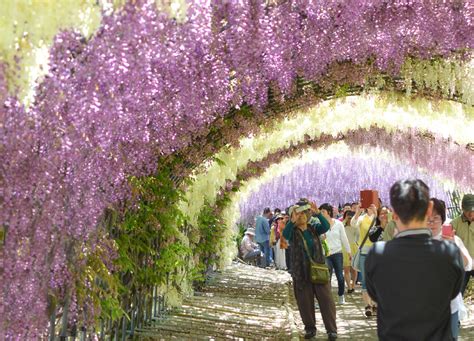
column 323, row 226
column 258, row 222
column 355, row 218
column 289, row 230
column 466, row 257
column 375, row 234
column 266, row 226
column 458, row 265
column 344, row 240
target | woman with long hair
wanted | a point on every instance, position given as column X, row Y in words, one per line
column 350, row 274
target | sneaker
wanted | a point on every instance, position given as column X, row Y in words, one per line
column 350, row 291
column 310, row 334
column 368, row 311
column 332, row 336
column 342, row 299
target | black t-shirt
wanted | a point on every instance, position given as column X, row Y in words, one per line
column 413, row 278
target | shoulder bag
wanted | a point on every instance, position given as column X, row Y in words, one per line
column 318, row 272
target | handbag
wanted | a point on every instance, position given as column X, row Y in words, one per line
column 356, row 259
column 318, row 272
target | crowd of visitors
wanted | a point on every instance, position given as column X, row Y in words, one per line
column 412, row 262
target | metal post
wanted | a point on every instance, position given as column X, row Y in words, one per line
column 52, row 325
column 124, row 328
column 155, row 297
column 63, row 335
column 116, row 331
column 101, row 335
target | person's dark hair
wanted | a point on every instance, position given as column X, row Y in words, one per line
column 354, row 203
column 409, row 199
column 348, row 213
column 439, row 207
column 266, row 210
column 347, row 204
column 328, row 208
column 276, row 210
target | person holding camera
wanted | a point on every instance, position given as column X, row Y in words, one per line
column 306, row 249
column 445, row 232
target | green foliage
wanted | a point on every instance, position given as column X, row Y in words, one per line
column 211, row 229
column 342, row 91
column 240, row 235
column 148, row 239
column 96, row 285
column 150, row 244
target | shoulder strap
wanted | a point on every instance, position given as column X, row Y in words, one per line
column 306, row 247
column 367, row 234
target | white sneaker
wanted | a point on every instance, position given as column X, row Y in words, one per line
column 342, row 299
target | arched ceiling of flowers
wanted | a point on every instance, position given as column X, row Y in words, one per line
column 333, row 173
column 446, row 125
column 131, row 86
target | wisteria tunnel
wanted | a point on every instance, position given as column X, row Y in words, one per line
column 139, row 137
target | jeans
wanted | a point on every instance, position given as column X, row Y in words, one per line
column 362, row 270
column 334, row 262
column 265, row 247
column 455, row 325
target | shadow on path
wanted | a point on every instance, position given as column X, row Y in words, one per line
column 247, row 303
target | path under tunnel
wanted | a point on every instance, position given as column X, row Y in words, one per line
column 243, row 302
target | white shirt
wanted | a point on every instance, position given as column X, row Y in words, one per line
column 247, row 245
column 336, row 238
column 457, row 304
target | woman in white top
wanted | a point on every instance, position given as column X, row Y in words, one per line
column 336, row 239
column 458, row 310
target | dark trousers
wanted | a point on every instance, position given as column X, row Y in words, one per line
column 288, row 258
column 335, row 262
column 467, row 276
column 304, row 294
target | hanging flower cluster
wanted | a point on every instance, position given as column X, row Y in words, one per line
column 353, row 117
column 336, row 181
column 443, row 159
column 145, row 86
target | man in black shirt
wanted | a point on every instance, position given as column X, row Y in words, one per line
column 413, row 278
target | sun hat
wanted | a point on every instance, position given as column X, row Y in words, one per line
column 250, row 231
